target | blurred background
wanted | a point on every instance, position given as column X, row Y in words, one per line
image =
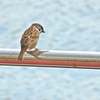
column 71, row 25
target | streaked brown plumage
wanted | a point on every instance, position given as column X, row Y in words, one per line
column 30, row 38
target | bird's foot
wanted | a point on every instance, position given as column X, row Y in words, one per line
column 34, row 53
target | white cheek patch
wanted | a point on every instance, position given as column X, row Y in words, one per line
column 37, row 29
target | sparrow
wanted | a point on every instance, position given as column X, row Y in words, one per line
column 30, row 38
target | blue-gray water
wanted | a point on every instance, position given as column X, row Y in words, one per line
column 69, row 25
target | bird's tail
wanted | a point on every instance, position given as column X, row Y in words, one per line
column 21, row 54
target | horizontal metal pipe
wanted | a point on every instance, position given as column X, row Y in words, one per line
column 51, row 58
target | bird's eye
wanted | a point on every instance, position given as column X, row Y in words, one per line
column 39, row 29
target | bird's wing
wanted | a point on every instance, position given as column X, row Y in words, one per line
column 29, row 36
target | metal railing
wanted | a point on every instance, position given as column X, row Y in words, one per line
column 52, row 58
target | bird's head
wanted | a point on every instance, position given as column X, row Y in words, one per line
column 39, row 27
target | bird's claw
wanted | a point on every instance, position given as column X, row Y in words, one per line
column 34, row 53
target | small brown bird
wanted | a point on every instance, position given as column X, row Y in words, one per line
column 30, row 38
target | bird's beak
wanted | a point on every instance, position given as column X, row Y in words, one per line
column 43, row 31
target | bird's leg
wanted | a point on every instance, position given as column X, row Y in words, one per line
column 34, row 53
column 36, row 49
